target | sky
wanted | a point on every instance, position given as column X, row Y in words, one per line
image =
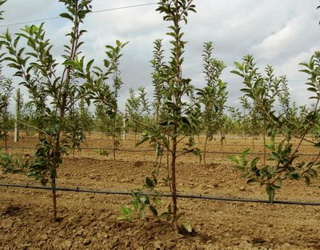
column 278, row 33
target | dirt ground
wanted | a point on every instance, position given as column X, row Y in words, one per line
column 90, row 221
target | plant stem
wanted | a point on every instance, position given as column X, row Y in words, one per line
column 205, row 150
column 54, row 198
column 264, row 143
column 174, row 184
column 114, row 138
column 6, row 141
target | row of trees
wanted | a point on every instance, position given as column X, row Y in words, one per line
column 215, row 117
column 57, row 108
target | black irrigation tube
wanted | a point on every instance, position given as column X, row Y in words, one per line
column 151, row 150
column 216, row 144
column 212, row 144
column 184, row 196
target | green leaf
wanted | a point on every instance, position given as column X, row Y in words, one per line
column 271, row 145
column 245, row 152
column 250, row 181
column 278, row 183
column 313, row 172
column 126, row 211
column 275, row 156
column 153, row 210
column 187, row 227
column 233, row 158
column 253, row 164
column 312, row 89
column 308, row 181
column 66, row 15
column 149, row 183
column 271, row 192
column 294, row 176
column 197, row 152
column 144, row 138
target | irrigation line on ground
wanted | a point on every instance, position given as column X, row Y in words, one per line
column 184, row 196
column 208, row 152
column 211, row 144
column 217, row 144
column 151, row 150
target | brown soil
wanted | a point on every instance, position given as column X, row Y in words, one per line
column 90, row 221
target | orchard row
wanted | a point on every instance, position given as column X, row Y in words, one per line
column 58, row 107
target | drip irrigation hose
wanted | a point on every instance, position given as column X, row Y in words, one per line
column 152, row 150
column 184, row 196
column 212, row 144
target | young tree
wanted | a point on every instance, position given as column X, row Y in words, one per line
column 100, row 119
column 99, row 89
column 79, row 122
column 180, row 119
column 1, row 11
column 283, row 163
column 235, row 120
column 158, row 66
column 262, row 90
column 284, row 98
column 5, row 94
column 251, row 119
column 19, row 106
column 50, row 93
column 137, row 111
column 213, row 96
column 113, row 111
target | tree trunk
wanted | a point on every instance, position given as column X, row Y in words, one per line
column 16, row 131
column 55, row 164
column 135, row 133
column 205, row 151
column 54, row 198
column 174, row 184
column 264, row 143
column 222, row 138
column 114, row 147
column 124, row 134
column 6, row 141
column 114, row 139
column 168, row 156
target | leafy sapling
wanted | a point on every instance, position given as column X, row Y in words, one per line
column 6, row 89
column 99, row 89
column 283, row 163
column 158, row 66
column 18, row 114
column 180, row 120
column 51, row 94
column 137, row 111
column 213, row 96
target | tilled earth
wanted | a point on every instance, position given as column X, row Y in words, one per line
column 90, row 220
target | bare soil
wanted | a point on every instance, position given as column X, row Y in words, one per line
column 90, row 221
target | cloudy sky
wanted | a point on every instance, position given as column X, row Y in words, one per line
column 281, row 33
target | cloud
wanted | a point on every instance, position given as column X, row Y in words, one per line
column 17, row 11
column 288, row 40
column 281, row 33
